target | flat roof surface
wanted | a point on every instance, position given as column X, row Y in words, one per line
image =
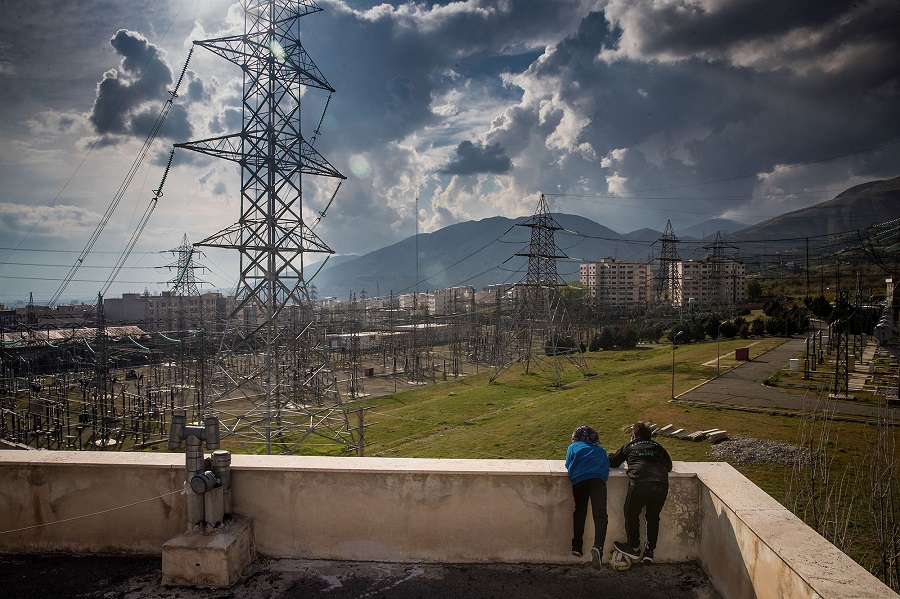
column 140, row 577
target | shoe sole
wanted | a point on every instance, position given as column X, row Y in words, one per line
column 646, row 560
column 595, row 558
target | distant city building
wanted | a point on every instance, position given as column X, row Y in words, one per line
column 697, row 283
column 453, row 300
column 711, row 282
column 167, row 311
column 611, row 282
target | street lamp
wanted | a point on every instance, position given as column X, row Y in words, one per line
column 674, row 339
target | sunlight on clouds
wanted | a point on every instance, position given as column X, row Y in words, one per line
column 565, row 136
column 359, row 166
column 615, row 183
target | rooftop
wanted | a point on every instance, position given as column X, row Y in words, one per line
column 139, row 577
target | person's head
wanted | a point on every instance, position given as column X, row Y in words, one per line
column 640, row 431
column 586, row 434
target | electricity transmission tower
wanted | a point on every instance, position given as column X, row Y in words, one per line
column 272, row 379
column 185, row 267
column 668, row 283
column 716, row 283
column 539, row 330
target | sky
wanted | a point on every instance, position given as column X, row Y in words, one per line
column 629, row 112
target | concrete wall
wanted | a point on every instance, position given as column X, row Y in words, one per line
column 434, row 510
column 754, row 547
column 382, row 509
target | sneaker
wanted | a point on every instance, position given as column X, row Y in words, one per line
column 576, row 552
column 632, row 552
column 596, row 558
column 647, row 558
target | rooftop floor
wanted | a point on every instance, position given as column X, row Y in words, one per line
column 131, row 577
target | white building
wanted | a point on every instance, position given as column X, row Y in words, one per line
column 611, row 282
column 454, row 300
column 711, row 282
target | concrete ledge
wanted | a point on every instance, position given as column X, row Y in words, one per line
column 752, row 546
column 211, row 560
column 410, row 510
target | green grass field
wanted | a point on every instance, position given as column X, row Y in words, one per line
column 525, row 416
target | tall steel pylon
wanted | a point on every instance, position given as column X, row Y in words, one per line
column 667, row 280
column 185, row 267
column 716, row 283
column 539, row 330
column 272, row 379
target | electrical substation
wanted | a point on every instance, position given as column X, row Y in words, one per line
column 278, row 368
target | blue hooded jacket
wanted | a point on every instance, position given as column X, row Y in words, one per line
column 585, row 461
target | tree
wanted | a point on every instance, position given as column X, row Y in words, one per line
column 818, row 307
column 758, row 328
column 754, row 289
column 607, row 338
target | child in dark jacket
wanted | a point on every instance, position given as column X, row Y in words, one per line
column 588, row 468
column 648, row 486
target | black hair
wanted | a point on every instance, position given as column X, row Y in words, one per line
column 642, row 431
column 586, row 434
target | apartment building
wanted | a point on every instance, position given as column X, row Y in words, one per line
column 711, row 282
column 611, row 282
column 452, row 300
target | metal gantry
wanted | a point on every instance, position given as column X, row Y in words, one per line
column 272, row 379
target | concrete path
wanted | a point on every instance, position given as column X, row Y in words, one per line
column 743, row 386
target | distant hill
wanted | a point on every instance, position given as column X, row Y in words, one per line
column 708, row 229
column 483, row 252
column 857, row 208
column 476, row 253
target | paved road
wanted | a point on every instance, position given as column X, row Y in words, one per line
column 743, row 386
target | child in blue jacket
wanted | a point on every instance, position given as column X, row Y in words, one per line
column 588, row 467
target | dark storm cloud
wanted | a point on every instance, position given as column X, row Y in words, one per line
column 401, row 52
column 688, row 28
column 472, row 158
column 129, row 99
column 667, row 98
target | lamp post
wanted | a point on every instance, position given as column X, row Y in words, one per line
column 674, row 340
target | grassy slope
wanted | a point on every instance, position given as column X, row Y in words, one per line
column 524, row 416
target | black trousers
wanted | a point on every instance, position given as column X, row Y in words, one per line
column 593, row 489
column 644, row 495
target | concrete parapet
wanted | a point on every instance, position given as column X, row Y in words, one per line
column 409, row 510
column 752, row 546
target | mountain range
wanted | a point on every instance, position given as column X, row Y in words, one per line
column 490, row 251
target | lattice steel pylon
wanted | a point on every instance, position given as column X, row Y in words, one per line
column 539, row 331
column 272, row 378
column 185, row 267
column 716, row 283
column 667, row 280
